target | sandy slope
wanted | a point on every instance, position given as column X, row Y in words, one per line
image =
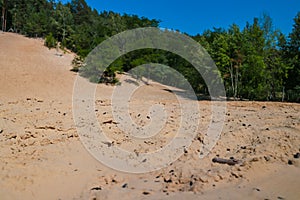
column 41, row 156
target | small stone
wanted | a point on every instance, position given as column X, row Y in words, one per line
column 263, row 107
column 146, row 193
column 1, row 131
column 185, row 150
column 125, row 185
column 290, row 162
column 297, row 155
column 267, row 158
column 235, row 174
column 168, row 180
column 12, row 136
column 255, row 159
column 204, row 179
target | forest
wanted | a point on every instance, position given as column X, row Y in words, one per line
column 256, row 62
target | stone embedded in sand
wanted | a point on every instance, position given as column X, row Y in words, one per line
column 45, row 142
column 25, row 136
column 146, row 193
column 255, row 159
column 1, row 131
column 297, row 155
column 290, row 162
column 168, row 179
column 230, row 161
column 11, row 136
column 97, row 188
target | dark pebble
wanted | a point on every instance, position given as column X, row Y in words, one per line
column 185, row 151
column 267, row 158
column 125, row 185
column 297, row 155
column 290, row 162
column 263, row 107
column 191, row 183
column 167, row 180
column 146, row 193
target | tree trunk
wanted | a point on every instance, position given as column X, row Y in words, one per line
column 232, row 79
column 236, row 81
column 3, row 18
column 283, row 94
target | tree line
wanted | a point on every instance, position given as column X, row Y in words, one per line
column 256, row 62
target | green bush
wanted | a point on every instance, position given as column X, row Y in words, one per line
column 50, row 41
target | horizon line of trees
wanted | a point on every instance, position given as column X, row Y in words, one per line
column 256, row 62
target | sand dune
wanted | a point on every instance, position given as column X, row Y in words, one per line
column 41, row 156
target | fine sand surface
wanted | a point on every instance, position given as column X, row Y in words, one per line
column 42, row 157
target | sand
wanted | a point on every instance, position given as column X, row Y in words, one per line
column 42, row 157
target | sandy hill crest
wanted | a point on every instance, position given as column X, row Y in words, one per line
column 29, row 69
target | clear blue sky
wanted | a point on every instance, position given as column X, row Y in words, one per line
column 195, row 16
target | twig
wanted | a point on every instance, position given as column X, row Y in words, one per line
column 226, row 161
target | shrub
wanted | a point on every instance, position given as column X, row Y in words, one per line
column 50, row 41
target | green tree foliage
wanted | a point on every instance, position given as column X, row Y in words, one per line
column 292, row 56
column 252, row 61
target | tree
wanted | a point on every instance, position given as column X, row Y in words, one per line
column 276, row 68
column 293, row 57
column 236, row 58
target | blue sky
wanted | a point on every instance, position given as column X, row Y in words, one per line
column 195, row 16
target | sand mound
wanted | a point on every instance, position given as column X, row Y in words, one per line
column 41, row 156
